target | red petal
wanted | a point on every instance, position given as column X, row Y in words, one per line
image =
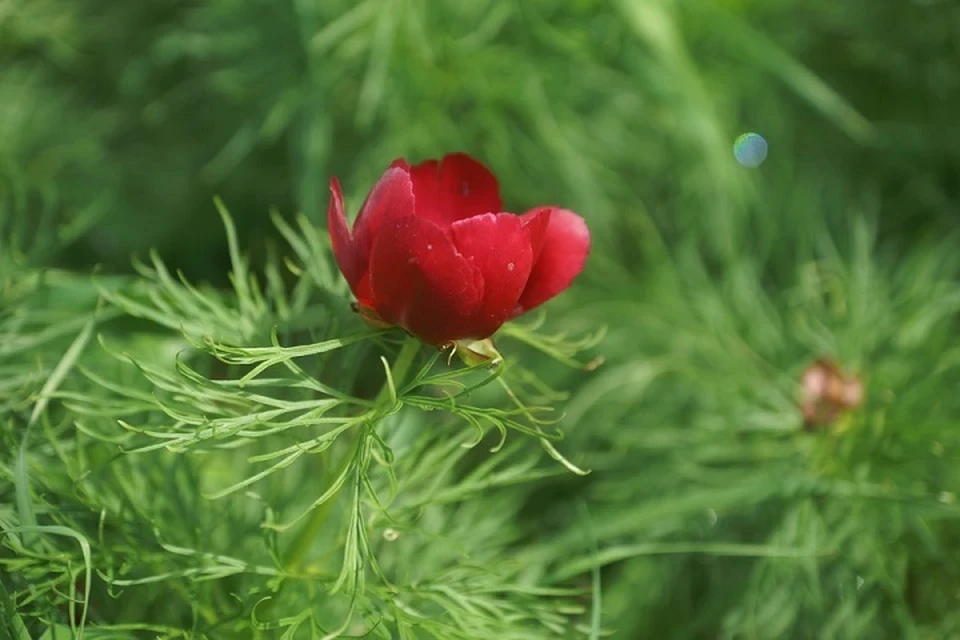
column 499, row 246
column 536, row 222
column 344, row 248
column 391, row 198
column 426, row 191
column 454, row 188
column 562, row 258
column 421, row 282
column 362, row 290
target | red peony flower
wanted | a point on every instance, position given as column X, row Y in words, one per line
column 432, row 252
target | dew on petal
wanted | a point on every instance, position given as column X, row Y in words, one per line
column 750, row 150
column 511, row 266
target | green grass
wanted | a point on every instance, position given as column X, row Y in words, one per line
column 199, row 439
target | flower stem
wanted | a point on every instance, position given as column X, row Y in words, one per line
column 301, row 544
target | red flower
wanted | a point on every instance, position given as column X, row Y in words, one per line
column 432, row 252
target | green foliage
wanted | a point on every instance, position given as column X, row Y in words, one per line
column 213, row 460
column 205, row 441
column 717, row 451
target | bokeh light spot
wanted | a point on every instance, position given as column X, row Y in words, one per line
column 750, row 150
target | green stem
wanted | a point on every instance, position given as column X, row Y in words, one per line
column 400, row 369
column 301, row 544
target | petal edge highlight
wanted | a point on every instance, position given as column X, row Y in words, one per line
column 391, row 198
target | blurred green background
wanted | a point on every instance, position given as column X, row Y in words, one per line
column 120, row 121
column 140, row 112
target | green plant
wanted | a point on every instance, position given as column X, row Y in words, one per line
column 213, row 447
column 709, row 510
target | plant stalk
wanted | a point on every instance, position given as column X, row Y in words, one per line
column 302, row 543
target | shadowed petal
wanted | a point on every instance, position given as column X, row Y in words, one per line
column 499, row 246
column 454, row 188
column 421, row 282
column 344, row 248
column 564, row 253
